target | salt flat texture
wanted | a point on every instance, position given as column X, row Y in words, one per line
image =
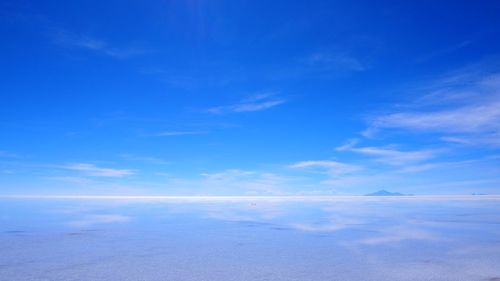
column 249, row 238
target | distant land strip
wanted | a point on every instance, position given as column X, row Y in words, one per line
column 197, row 198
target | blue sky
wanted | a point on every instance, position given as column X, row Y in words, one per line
column 249, row 97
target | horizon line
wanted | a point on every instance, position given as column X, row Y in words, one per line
column 252, row 197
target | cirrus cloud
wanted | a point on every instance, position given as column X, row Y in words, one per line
column 93, row 170
column 257, row 102
column 463, row 108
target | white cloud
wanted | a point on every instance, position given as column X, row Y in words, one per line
column 250, row 182
column 481, row 118
column 74, row 40
column 232, row 182
column 145, row 159
column 177, row 133
column 462, row 108
column 328, row 166
column 74, row 180
column 254, row 103
column 328, row 61
column 456, row 140
column 390, row 155
column 229, row 174
column 360, row 181
column 93, row 170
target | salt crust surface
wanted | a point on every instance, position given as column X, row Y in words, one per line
column 69, row 239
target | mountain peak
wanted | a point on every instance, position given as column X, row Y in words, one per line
column 383, row 192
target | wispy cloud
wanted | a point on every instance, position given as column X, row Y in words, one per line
column 70, row 179
column 141, row 158
column 328, row 166
column 468, row 119
column 391, row 155
column 254, row 103
column 248, row 181
column 232, row 182
column 87, row 42
column 464, row 110
column 444, row 51
column 335, row 60
column 64, row 37
column 94, row 171
column 328, row 64
column 177, row 133
column 229, row 174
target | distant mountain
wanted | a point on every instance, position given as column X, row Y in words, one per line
column 386, row 193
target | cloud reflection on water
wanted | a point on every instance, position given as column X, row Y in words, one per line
column 385, row 240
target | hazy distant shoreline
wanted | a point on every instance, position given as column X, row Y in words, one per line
column 254, row 198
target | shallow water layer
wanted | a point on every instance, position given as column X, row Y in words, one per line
column 249, row 240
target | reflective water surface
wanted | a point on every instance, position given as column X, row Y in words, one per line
column 250, row 240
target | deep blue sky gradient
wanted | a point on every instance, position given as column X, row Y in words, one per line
column 249, row 97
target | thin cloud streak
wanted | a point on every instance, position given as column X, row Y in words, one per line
column 69, row 179
column 94, row 171
column 390, row 155
column 178, row 133
column 330, row 61
column 462, row 112
column 69, row 39
column 443, row 52
column 249, row 181
column 254, row 103
column 328, row 166
column 468, row 119
column 145, row 159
